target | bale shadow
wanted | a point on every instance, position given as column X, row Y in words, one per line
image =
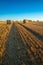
column 34, row 33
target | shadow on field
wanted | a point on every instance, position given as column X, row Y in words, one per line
column 34, row 33
column 5, row 59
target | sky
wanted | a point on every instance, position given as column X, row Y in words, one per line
column 21, row 9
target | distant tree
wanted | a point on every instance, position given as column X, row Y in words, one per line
column 24, row 21
column 37, row 20
column 30, row 20
column 16, row 21
column 8, row 21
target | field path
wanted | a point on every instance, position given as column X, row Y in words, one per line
column 14, row 46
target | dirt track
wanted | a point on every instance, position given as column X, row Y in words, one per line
column 22, row 48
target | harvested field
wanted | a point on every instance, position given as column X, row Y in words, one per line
column 19, row 45
column 4, row 31
column 35, row 28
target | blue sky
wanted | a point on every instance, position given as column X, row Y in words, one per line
column 21, row 9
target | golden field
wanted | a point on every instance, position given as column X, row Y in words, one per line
column 21, row 43
column 4, row 31
column 35, row 26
